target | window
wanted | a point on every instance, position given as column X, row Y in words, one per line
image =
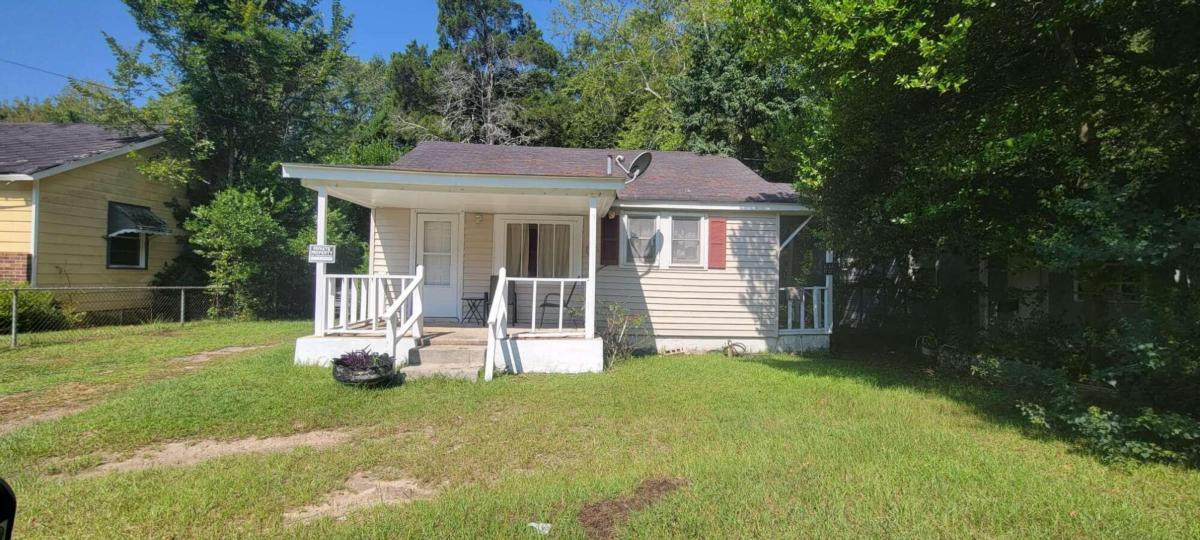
column 538, row 250
column 127, row 250
column 687, row 245
column 641, row 240
column 665, row 240
column 1111, row 283
column 129, row 230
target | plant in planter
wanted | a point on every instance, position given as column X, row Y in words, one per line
column 364, row 368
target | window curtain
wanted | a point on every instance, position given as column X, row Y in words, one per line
column 554, row 250
column 516, row 259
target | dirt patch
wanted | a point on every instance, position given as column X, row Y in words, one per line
column 600, row 519
column 210, row 355
column 362, row 490
column 44, row 416
column 190, row 453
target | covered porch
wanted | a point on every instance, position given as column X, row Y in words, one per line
column 503, row 265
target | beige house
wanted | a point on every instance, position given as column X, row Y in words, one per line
column 515, row 258
column 74, row 210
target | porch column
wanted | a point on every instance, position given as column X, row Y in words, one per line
column 319, row 303
column 828, row 301
column 590, row 301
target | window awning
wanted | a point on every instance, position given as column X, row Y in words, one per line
column 132, row 219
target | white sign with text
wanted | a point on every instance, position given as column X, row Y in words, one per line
column 320, row 253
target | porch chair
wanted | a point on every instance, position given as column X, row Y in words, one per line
column 512, row 298
column 547, row 302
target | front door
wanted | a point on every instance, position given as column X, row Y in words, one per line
column 437, row 249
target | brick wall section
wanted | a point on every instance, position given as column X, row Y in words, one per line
column 14, row 267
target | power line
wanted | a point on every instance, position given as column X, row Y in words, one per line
column 48, row 72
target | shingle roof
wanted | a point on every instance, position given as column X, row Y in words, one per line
column 32, row 147
column 672, row 176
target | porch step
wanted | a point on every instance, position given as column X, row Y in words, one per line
column 447, row 355
column 442, row 360
column 468, row 372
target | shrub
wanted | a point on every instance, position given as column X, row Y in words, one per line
column 622, row 332
column 36, row 311
column 1124, row 389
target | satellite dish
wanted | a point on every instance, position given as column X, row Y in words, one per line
column 637, row 168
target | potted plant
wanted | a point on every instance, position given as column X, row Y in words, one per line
column 364, row 368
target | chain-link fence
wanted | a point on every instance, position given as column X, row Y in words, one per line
column 65, row 314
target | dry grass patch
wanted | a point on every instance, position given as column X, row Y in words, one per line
column 362, row 490
column 209, row 355
column 185, row 453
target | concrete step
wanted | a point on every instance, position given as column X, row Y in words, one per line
column 447, row 354
column 456, row 341
column 468, row 372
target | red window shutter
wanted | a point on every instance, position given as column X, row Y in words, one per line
column 716, row 242
column 610, row 242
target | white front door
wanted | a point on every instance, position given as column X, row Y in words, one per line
column 437, row 249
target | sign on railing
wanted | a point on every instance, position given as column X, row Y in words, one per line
column 321, row 253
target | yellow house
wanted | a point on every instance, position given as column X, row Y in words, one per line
column 75, row 211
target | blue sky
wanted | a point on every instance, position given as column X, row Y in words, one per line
column 63, row 36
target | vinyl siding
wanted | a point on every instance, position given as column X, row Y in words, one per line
column 390, row 241
column 738, row 301
column 392, row 238
column 16, row 214
column 477, row 254
column 72, row 250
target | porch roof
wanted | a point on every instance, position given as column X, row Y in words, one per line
column 382, row 187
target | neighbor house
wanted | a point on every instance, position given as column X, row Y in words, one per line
column 515, row 258
column 75, row 211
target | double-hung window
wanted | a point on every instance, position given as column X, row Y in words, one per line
column 687, row 246
column 641, row 240
column 664, row 240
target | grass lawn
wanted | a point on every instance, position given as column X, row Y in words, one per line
column 772, row 446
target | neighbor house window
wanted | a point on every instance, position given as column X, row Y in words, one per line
column 686, row 240
column 127, row 251
column 641, row 239
column 128, row 238
column 1111, row 283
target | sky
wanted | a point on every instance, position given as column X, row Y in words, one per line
column 64, row 36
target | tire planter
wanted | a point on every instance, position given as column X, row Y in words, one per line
column 365, row 377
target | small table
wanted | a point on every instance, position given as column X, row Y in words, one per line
column 475, row 306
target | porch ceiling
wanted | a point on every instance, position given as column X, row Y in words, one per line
column 475, row 200
column 383, row 187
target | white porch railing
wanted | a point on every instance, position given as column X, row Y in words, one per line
column 406, row 313
column 498, row 315
column 551, row 287
column 497, row 322
column 355, row 304
column 806, row 310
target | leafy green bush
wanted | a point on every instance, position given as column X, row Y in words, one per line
column 249, row 251
column 1126, row 390
column 36, row 310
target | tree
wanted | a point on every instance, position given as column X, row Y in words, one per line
column 69, row 106
column 734, row 104
column 500, row 62
column 256, row 77
column 1065, row 133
